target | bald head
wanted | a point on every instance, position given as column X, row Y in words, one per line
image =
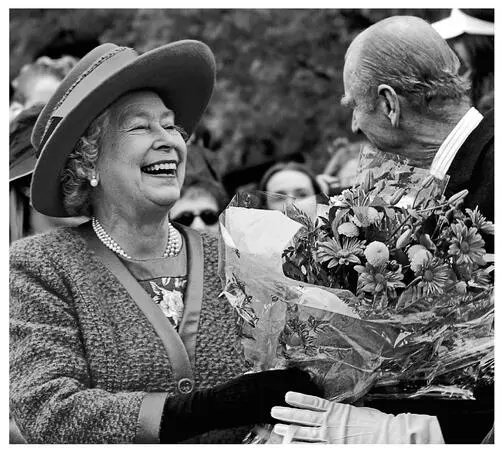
column 406, row 53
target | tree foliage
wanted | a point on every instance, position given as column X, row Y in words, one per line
column 279, row 71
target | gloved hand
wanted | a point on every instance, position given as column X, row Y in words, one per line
column 320, row 420
column 245, row 400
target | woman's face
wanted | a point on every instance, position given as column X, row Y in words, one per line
column 142, row 155
column 295, row 184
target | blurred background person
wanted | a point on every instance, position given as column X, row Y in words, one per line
column 202, row 197
column 471, row 34
column 200, row 204
column 293, row 180
column 37, row 82
column 24, row 220
column 343, row 163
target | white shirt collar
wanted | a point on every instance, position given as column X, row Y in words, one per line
column 449, row 148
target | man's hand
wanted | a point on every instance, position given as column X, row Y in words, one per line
column 314, row 419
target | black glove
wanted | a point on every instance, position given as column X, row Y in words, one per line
column 245, row 400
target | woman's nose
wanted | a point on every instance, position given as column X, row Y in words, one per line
column 163, row 139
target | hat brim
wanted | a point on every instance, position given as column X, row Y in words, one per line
column 181, row 73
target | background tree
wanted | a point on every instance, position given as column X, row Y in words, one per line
column 279, row 71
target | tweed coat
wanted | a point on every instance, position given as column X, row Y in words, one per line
column 86, row 366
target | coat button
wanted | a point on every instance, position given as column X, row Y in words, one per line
column 185, row 385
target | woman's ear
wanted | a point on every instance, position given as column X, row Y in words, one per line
column 389, row 103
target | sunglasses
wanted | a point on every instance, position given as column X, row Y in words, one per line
column 208, row 216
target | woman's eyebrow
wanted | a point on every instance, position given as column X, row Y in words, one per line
column 134, row 113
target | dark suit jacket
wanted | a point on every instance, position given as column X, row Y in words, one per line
column 473, row 168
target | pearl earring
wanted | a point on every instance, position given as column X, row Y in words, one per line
column 94, row 181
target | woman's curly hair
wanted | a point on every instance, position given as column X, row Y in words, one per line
column 81, row 162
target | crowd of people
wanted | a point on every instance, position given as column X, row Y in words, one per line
column 114, row 203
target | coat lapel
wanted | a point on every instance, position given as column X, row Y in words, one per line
column 193, row 293
column 463, row 165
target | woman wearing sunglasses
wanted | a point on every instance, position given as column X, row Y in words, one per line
column 200, row 205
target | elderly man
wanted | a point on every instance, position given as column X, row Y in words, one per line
column 401, row 80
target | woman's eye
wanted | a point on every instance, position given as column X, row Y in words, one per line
column 138, row 127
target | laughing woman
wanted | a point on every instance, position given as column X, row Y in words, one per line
column 117, row 333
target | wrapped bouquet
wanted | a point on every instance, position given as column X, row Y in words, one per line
column 390, row 292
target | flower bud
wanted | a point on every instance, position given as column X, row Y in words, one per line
column 461, row 287
column 348, row 229
column 456, row 198
column 372, row 215
column 426, row 241
column 427, row 181
column 397, row 196
column 369, row 181
column 414, row 249
column 419, row 259
column 404, row 239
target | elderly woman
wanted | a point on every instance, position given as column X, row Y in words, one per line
column 117, row 332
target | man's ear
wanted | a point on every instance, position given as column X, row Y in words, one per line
column 389, row 102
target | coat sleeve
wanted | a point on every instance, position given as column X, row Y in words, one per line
column 51, row 394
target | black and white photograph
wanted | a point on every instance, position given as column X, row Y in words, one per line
column 251, row 225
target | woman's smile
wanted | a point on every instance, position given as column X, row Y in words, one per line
column 162, row 169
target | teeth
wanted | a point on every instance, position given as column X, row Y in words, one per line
column 160, row 167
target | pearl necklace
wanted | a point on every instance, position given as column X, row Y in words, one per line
column 173, row 246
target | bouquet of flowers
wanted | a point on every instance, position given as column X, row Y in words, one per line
column 379, row 294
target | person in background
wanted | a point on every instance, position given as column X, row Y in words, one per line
column 203, row 196
column 117, row 334
column 343, row 164
column 37, row 82
column 471, row 34
column 200, row 204
column 23, row 219
column 293, row 180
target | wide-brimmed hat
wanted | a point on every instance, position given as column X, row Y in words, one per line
column 458, row 23
column 182, row 73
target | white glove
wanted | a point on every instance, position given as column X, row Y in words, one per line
column 320, row 420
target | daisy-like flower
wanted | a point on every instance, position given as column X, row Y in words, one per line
column 377, row 253
column 338, row 253
column 378, row 279
column 479, row 221
column 435, row 275
column 466, row 246
column 348, row 229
